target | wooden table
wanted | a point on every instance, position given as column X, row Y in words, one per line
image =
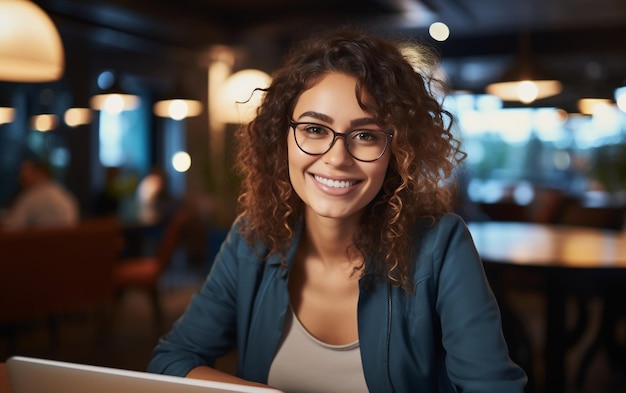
column 568, row 261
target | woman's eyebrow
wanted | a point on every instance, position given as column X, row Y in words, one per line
column 364, row 121
column 317, row 115
column 327, row 119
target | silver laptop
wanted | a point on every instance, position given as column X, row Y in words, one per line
column 32, row 375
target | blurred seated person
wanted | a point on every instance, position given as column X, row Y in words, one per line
column 154, row 201
column 41, row 201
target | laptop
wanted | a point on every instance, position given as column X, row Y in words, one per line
column 33, row 375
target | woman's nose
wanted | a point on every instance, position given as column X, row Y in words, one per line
column 338, row 155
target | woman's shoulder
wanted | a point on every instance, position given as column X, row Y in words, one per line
column 243, row 249
column 438, row 240
column 236, row 244
column 448, row 223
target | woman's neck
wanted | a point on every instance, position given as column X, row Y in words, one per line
column 331, row 240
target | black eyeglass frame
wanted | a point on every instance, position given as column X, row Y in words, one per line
column 344, row 135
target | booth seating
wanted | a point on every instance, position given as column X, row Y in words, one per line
column 47, row 273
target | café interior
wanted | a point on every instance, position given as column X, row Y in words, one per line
column 113, row 93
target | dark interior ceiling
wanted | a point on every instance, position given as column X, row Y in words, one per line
column 574, row 40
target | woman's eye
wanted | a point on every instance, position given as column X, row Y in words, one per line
column 317, row 130
column 365, row 136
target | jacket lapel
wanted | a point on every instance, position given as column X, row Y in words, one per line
column 374, row 328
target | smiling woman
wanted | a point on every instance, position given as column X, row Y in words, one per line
column 335, row 180
column 345, row 248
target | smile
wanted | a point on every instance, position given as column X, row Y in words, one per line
column 334, row 183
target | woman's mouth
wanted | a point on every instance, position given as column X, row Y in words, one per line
column 334, row 183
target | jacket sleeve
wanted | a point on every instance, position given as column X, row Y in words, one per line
column 476, row 354
column 207, row 329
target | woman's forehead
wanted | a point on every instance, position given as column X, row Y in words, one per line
column 331, row 93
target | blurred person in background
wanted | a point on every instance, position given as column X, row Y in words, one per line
column 41, row 202
column 155, row 204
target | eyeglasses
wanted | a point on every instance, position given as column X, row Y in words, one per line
column 362, row 144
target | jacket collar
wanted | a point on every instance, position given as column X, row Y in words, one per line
column 276, row 259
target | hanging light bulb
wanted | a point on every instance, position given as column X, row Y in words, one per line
column 240, row 99
column 524, row 84
column 524, row 81
column 596, row 90
column 114, row 100
column 177, row 108
column 179, row 105
column 30, row 46
column 44, row 122
column 75, row 117
column 7, row 112
column 6, row 115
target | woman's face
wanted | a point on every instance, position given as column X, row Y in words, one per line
column 334, row 184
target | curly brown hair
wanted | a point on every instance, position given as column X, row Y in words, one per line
column 424, row 150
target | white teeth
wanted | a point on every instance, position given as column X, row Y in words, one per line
column 334, row 183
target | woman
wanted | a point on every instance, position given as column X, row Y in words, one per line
column 345, row 271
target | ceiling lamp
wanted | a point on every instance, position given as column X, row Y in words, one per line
column 178, row 107
column 523, row 82
column 30, row 46
column 75, row 117
column 524, row 89
column 7, row 115
column 113, row 100
column 44, row 122
column 597, row 90
column 240, row 96
column 589, row 105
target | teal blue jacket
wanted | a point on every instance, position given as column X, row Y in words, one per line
column 445, row 337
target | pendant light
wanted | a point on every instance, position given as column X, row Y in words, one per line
column 76, row 116
column 44, row 122
column 114, row 100
column 31, row 49
column 524, row 81
column 240, row 95
column 178, row 106
column 7, row 112
column 596, row 92
column 45, row 119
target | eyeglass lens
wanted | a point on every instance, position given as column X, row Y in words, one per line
column 362, row 144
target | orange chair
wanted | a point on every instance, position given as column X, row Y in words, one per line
column 144, row 272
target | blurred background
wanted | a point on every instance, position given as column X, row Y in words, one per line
column 195, row 49
column 132, row 101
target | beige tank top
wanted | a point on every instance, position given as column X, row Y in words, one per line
column 304, row 364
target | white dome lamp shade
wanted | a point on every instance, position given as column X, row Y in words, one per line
column 30, row 45
column 240, row 97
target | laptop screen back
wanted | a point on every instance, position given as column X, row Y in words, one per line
column 32, row 375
